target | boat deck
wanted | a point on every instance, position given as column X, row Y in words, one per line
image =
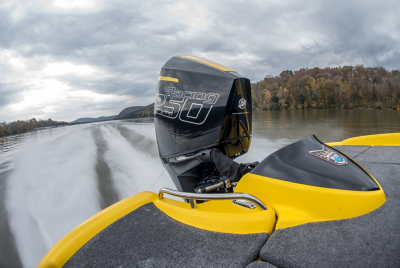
column 147, row 237
column 370, row 240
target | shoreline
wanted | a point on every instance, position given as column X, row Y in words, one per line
column 67, row 125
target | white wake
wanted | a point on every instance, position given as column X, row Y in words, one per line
column 52, row 190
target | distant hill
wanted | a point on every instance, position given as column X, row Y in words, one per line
column 89, row 119
column 127, row 111
column 136, row 112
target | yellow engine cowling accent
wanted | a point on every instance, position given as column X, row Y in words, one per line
column 297, row 204
column 220, row 216
column 208, row 62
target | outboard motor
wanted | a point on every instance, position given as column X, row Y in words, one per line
column 203, row 120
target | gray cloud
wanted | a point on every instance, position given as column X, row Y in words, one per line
column 9, row 94
column 127, row 42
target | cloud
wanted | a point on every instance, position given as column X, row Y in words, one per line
column 46, row 97
column 116, row 48
column 75, row 4
column 9, row 94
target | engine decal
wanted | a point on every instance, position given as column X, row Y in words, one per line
column 330, row 156
column 191, row 107
column 242, row 103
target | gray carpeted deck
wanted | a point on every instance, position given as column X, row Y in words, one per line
column 148, row 238
column 371, row 240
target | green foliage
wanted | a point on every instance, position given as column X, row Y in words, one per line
column 275, row 99
column 340, row 87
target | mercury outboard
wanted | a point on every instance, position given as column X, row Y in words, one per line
column 203, row 116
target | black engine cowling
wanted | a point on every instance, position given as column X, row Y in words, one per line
column 200, row 105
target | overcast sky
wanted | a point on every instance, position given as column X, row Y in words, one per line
column 65, row 59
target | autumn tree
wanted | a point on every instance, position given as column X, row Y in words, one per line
column 19, row 126
column 345, row 87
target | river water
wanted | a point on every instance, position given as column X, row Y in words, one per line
column 51, row 180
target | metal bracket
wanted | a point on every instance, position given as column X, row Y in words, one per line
column 244, row 203
column 193, row 197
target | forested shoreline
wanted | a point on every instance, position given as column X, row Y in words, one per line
column 18, row 127
column 145, row 111
column 344, row 87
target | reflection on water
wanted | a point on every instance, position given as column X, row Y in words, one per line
column 327, row 125
column 53, row 179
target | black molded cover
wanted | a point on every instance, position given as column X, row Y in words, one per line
column 309, row 161
column 201, row 110
column 206, row 108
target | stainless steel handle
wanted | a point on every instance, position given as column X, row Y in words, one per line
column 193, row 197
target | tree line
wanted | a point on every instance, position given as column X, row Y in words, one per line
column 344, row 87
column 18, row 127
column 146, row 111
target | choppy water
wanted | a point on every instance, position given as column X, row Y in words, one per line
column 53, row 179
